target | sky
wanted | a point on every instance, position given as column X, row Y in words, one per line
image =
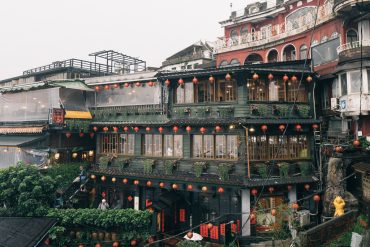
column 37, row 32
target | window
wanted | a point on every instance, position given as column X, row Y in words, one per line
column 117, row 144
column 303, row 52
column 266, row 31
column 189, row 67
column 234, row 37
column 234, row 62
column 368, row 81
column 343, row 84
column 289, row 53
column 351, row 36
column 183, row 67
column 278, row 147
column 273, row 91
column 215, row 146
column 224, row 63
column 355, row 81
column 325, row 52
column 226, row 90
column 174, row 68
column 324, row 39
column 185, row 93
column 335, row 89
column 334, row 35
column 173, row 145
column 152, row 145
column 244, row 31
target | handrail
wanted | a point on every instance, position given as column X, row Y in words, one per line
column 352, row 45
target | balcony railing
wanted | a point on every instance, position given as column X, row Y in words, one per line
column 277, row 32
column 352, row 45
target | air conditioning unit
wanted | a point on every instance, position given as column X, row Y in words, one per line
column 334, row 103
column 304, row 217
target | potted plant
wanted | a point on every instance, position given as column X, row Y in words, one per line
column 148, row 166
column 262, row 169
column 283, row 169
column 103, row 161
column 169, row 166
column 224, row 170
column 305, row 168
column 198, row 168
column 121, row 162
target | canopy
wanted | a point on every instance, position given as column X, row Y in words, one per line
column 17, row 141
column 79, row 85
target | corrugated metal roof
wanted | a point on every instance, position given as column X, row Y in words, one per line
column 72, row 84
column 140, row 76
column 17, row 141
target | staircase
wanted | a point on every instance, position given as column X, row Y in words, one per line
column 72, row 191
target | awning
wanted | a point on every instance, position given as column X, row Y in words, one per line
column 18, row 141
column 78, row 114
column 79, row 85
column 21, row 130
column 361, row 167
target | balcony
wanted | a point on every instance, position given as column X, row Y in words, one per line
column 276, row 34
column 352, row 50
column 352, row 7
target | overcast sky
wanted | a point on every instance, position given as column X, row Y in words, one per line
column 37, row 32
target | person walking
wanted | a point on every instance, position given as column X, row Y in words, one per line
column 103, row 205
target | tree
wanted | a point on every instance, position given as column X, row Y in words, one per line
column 24, row 191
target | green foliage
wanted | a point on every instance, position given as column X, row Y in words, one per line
column 262, row 170
column 199, row 167
column 121, row 162
column 168, row 166
column 305, row 168
column 284, row 169
column 360, row 226
column 188, row 243
column 103, row 161
column 64, row 174
column 25, row 191
column 224, row 170
column 148, row 166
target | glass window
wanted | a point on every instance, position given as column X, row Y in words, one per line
column 343, row 84
column 355, row 80
column 197, row 146
column 221, row 152
column 168, row 145
column 148, row 145
column 224, row 63
column 189, row 92
column 368, row 81
column 117, row 144
column 173, row 145
column 226, row 91
column 232, row 146
column 273, row 91
column 335, row 89
column 178, row 144
column 325, row 52
column 303, row 52
column 351, row 36
column 244, row 30
column 180, row 94
column 234, row 62
column 157, row 145
column 234, row 37
column 208, row 146
column 127, row 144
column 215, row 146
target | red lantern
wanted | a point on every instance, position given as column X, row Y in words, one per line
column 127, row 84
column 136, row 129
column 147, row 129
column 92, row 135
column 209, row 225
column 115, row 85
column 356, row 143
column 264, row 128
column 81, row 245
column 150, row 84
column 115, row 129
column 255, row 77
column 125, row 180
column 295, row 206
column 298, row 127
column 175, row 129
column 281, row 127
column 114, row 180
column 160, row 130
column 161, row 184
column 103, row 178
column 253, row 216
column 97, row 88
column 195, row 80
column 273, row 212
column 254, row 192
column 97, row 244
column 220, row 190
column 307, row 186
column 189, row 187
column 315, row 126
column 204, row 189
column 289, row 187
column 149, row 183
column 106, row 87
column 316, row 198
column 202, row 130
column 105, row 129
column 125, row 129
column 136, row 182
column 93, row 177
column 138, row 84
column 211, row 79
column 181, row 82
column 95, row 128
column 188, row 129
column 175, row 186
column 309, row 78
column 338, row 149
column 294, row 78
column 285, row 78
column 130, row 198
column 270, row 77
column 115, row 244
column 167, row 83
column 68, row 134
column 218, row 128
column 271, row 189
column 133, row 242
column 228, row 77
column 189, row 235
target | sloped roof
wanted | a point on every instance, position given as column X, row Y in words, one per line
column 22, row 231
column 205, row 45
column 18, row 141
